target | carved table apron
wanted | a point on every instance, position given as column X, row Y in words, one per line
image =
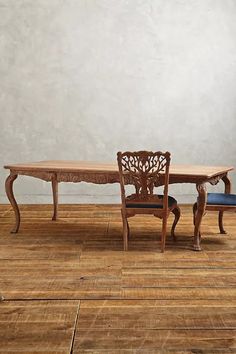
column 103, row 173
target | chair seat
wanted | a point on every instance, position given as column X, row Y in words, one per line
column 221, row 199
column 171, row 202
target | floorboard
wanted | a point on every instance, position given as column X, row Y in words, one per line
column 37, row 326
column 68, row 287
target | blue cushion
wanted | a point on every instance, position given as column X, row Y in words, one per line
column 221, row 199
column 171, row 201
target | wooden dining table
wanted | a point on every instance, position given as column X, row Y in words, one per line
column 104, row 173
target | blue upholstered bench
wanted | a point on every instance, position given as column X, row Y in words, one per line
column 220, row 202
column 221, row 199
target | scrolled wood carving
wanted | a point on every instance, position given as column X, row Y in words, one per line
column 46, row 176
column 201, row 188
column 145, row 170
column 202, row 197
column 97, row 178
column 216, row 179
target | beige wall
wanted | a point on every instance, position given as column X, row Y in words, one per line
column 82, row 79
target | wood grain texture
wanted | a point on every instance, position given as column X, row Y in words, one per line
column 37, row 326
column 143, row 326
column 69, row 283
column 74, row 166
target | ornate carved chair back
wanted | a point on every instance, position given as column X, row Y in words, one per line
column 145, row 170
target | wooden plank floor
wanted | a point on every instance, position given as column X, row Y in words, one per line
column 68, row 287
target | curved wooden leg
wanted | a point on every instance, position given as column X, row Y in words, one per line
column 227, row 183
column 194, row 216
column 55, row 198
column 176, row 212
column 125, row 231
column 128, row 230
column 220, row 222
column 201, row 206
column 9, row 191
column 194, row 212
column 163, row 234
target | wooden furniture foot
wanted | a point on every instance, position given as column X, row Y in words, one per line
column 10, row 195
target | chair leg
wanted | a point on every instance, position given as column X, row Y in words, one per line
column 176, row 212
column 220, row 222
column 163, row 234
column 194, row 216
column 128, row 229
column 125, row 231
column 194, row 212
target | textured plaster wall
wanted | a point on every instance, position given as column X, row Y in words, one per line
column 82, row 79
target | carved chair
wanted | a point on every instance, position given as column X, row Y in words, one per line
column 146, row 170
column 218, row 202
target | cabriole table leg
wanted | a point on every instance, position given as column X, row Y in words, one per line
column 55, row 198
column 9, row 191
column 201, row 206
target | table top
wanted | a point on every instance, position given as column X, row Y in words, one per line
column 101, row 167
